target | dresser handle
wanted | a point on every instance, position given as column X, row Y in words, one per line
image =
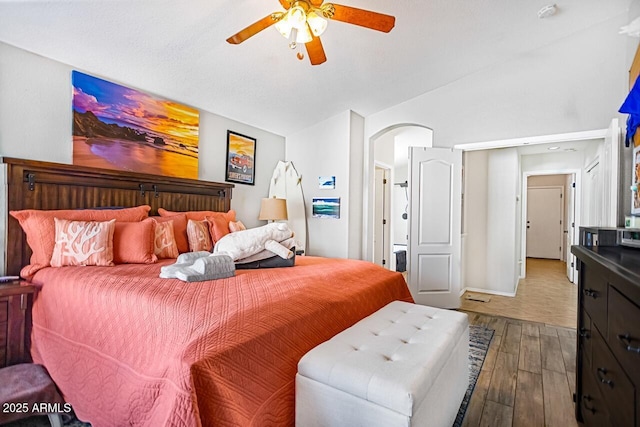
column 584, row 333
column 602, row 378
column 590, row 293
column 626, row 340
column 586, row 400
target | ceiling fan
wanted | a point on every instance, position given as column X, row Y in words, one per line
column 305, row 20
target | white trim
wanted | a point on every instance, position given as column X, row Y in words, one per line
column 534, row 140
column 488, row 291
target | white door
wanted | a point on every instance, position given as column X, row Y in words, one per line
column 380, row 215
column 610, row 178
column 435, row 176
column 544, row 222
column 570, row 226
column 593, row 197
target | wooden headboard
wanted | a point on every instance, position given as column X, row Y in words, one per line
column 42, row 185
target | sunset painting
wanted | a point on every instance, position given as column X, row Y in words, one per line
column 115, row 127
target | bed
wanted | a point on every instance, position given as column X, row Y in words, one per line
column 128, row 348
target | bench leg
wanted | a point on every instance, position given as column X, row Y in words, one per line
column 55, row 420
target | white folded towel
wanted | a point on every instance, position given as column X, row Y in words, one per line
column 209, row 267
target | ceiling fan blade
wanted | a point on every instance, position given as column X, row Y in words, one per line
column 364, row 18
column 255, row 28
column 315, row 51
column 316, row 3
column 286, row 4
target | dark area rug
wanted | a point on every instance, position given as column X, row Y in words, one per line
column 479, row 340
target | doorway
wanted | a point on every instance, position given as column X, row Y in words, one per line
column 544, row 222
column 550, row 212
column 390, row 150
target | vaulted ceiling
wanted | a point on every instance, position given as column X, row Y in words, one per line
column 177, row 49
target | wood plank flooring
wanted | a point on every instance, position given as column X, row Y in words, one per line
column 528, row 376
column 545, row 295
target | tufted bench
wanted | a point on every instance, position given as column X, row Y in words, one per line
column 405, row 365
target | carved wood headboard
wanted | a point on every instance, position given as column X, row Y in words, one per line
column 43, row 185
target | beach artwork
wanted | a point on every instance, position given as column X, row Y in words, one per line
column 326, row 207
column 241, row 157
column 326, row 182
column 116, row 127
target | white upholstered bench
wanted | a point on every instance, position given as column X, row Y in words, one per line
column 405, row 365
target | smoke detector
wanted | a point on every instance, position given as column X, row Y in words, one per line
column 547, row 11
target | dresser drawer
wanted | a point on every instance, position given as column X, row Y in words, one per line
column 592, row 405
column 614, row 385
column 594, row 297
column 4, row 311
column 586, row 338
column 624, row 332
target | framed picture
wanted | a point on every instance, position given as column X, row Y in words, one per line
column 326, row 182
column 117, row 127
column 326, row 207
column 635, row 199
column 241, row 158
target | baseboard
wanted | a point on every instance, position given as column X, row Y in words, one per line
column 489, row 291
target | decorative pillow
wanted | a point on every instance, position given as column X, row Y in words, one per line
column 199, row 237
column 133, row 242
column 39, row 227
column 83, row 243
column 179, row 230
column 200, row 215
column 218, row 227
column 236, row 226
column 165, row 242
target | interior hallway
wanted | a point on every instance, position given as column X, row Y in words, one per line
column 546, row 296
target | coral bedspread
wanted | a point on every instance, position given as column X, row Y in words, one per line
column 128, row 348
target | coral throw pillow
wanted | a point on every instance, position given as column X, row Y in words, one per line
column 179, row 230
column 165, row 242
column 199, row 237
column 200, row 215
column 133, row 242
column 83, row 243
column 39, row 227
column 218, row 227
column 236, row 226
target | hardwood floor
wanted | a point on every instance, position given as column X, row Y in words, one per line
column 545, row 295
column 528, row 377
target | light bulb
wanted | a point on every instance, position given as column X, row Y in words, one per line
column 297, row 17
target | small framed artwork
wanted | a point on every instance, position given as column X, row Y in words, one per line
column 635, row 199
column 326, row 207
column 326, row 182
column 241, row 158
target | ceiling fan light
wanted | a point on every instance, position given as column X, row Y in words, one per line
column 284, row 27
column 297, row 17
column 304, row 35
column 316, row 23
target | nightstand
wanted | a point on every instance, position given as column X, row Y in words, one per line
column 16, row 299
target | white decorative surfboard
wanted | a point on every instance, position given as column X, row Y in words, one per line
column 287, row 184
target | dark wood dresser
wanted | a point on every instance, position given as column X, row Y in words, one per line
column 16, row 299
column 608, row 347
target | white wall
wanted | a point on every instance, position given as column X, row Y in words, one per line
column 502, row 251
column 331, row 148
column 36, row 119
column 476, row 197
